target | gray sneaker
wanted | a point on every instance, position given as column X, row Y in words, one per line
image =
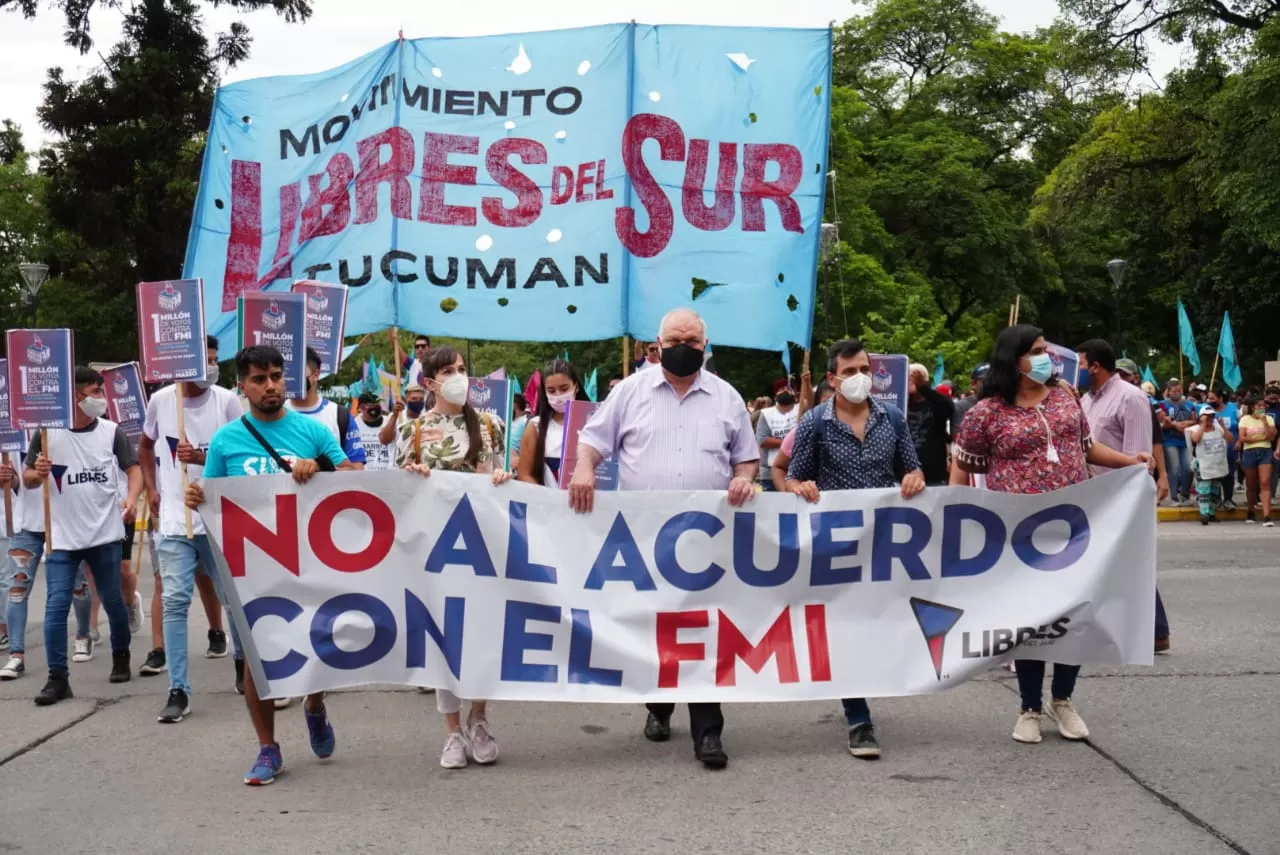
column 454, row 755
column 82, row 650
column 484, row 748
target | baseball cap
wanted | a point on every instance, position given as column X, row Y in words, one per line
column 413, row 387
column 1127, row 366
column 367, row 398
column 1205, row 410
column 980, row 371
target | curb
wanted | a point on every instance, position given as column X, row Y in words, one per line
column 1192, row 514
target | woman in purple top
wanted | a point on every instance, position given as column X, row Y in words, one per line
column 1028, row 434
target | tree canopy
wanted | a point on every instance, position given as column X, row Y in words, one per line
column 969, row 167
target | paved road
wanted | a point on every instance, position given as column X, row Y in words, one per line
column 1185, row 759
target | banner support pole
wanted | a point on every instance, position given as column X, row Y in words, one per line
column 626, row 356
column 48, row 508
column 179, row 399
column 8, row 503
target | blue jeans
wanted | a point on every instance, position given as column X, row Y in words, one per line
column 1177, row 462
column 179, row 559
column 63, row 567
column 26, row 548
column 856, row 711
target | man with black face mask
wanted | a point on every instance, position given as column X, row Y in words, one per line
column 771, row 429
column 675, row 428
column 370, row 423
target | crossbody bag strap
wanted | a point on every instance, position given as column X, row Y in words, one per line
column 253, row 431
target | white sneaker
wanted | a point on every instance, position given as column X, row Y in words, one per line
column 283, row 703
column 1070, row 724
column 13, row 669
column 1268, row 524
column 135, row 614
column 83, row 650
column 95, row 635
column 484, row 748
column 454, row 755
column 1028, row 728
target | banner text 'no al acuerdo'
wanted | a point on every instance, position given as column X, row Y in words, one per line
column 564, row 185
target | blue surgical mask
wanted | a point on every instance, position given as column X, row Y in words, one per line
column 1041, row 368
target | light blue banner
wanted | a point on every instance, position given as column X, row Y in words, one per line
column 565, row 185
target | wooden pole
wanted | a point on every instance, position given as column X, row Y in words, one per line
column 48, row 509
column 8, row 502
column 397, row 356
column 626, row 356
column 1214, row 375
column 805, row 394
column 1017, row 307
column 140, row 526
column 417, row 440
column 179, row 398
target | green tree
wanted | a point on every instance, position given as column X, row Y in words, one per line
column 24, row 231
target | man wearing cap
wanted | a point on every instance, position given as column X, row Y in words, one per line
column 371, row 422
column 966, row 403
column 1120, row 417
column 1176, row 414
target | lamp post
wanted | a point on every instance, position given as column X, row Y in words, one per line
column 1116, row 268
column 33, row 277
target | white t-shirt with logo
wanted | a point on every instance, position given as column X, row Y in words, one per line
column 83, row 495
column 203, row 415
column 777, row 425
column 377, row 455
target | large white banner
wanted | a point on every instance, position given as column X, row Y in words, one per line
column 506, row 593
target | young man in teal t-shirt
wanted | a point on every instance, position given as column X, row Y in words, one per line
column 303, row 445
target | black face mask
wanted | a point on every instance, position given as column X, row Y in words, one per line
column 373, row 416
column 786, row 399
column 682, row 360
column 414, row 407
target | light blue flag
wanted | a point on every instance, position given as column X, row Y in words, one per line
column 591, row 385
column 515, row 384
column 1227, row 350
column 564, row 185
column 1149, row 377
column 347, row 350
column 564, row 357
column 1187, row 339
column 939, row 372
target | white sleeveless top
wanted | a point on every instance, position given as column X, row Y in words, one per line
column 83, row 492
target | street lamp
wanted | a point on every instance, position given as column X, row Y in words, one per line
column 1116, row 268
column 33, row 277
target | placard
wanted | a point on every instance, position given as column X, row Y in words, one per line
column 11, row 439
column 278, row 320
column 41, row 377
column 889, row 379
column 126, row 399
column 1066, row 363
column 171, row 334
column 575, row 419
column 326, row 320
column 493, row 396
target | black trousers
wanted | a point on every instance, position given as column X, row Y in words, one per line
column 703, row 718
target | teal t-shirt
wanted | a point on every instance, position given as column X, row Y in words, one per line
column 234, row 451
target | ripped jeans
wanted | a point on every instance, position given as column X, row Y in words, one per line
column 25, row 550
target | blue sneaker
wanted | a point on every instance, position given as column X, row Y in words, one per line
column 269, row 764
column 321, row 733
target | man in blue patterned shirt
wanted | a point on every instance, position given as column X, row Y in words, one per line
column 853, row 442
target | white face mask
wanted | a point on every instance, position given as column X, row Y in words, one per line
column 454, row 389
column 210, row 377
column 560, row 403
column 856, row 389
column 94, row 408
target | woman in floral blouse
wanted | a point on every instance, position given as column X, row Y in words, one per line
column 1028, row 434
column 454, row 436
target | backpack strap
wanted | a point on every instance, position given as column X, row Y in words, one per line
column 253, row 431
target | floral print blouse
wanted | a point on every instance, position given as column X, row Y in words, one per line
column 1026, row 449
column 441, row 442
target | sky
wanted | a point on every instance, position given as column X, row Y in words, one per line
column 340, row 30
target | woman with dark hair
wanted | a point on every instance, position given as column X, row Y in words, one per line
column 1028, row 434
column 778, row 471
column 453, row 436
column 543, row 440
column 1257, row 432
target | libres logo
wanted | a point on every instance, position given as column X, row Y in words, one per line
column 273, row 319
column 317, row 302
column 882, row 380
column 57, row 471
column 935, row 621
column 38, row 353
column 169, row 299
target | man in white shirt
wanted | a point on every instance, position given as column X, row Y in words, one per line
column 421, row 352
column 87, row 525
column 337, row 419
column 377, row 453
column 771, row 429
column 206, row 406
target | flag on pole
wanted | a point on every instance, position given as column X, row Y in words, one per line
column 939, row 372
column 1227, row 350
column 591, row 385
column 500, row 374
column 515, row 385
column 1187, row 339
column 347, row 350
column 1149, row 377
column 531, row 390
column 565, row 356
